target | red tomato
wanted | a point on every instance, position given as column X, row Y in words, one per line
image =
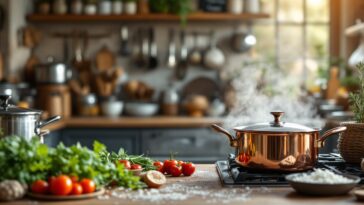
column 40, row 187
column 61, row 185
column 180, row 163
column 136, row 166
column 244, row 158
column 50, row 179
column 169, row 163
column 76, row 189
column 176, row 171
column 159, row 166
column 88, row 186
column 74, row 178
column 126, row 163
column 188, row 168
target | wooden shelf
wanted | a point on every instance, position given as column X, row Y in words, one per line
column 69, row 18
column 134, row 122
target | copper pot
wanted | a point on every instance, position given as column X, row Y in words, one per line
column 277, row 145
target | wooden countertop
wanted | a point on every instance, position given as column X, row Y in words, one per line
column 205, row 180
column 133, row 122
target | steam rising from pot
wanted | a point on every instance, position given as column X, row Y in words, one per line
column 260, row 91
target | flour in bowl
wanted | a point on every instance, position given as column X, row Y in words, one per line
column 321, row 176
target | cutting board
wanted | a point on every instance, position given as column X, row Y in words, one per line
column 105, row 59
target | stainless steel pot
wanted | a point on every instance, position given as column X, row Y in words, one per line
column 52, row 73
column 277, row 145
column 16, row 121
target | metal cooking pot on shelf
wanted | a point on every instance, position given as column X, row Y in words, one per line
column 16, row 121
column 52, row 73
column 277, row 145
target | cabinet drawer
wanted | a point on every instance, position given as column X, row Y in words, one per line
column 113, row 139
column 186, row 142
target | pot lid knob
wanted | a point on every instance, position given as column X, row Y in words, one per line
column 4, row 101
column 277, row 118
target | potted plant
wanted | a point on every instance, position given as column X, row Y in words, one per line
column 351, row 142
column 130, row 6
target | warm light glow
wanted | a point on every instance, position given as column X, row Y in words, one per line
column 316, row 2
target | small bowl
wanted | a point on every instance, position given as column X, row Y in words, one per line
column 317, row 189
column 141, row 109
column 112, row 108
column 136, row 172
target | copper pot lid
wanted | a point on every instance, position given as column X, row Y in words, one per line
column 8, row 109
column 277, row 126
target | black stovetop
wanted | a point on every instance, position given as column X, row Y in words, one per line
column 231, row 174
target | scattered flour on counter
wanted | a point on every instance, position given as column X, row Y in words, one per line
column 179, row 192
column 321, row 176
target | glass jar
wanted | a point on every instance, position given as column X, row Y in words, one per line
column 76, row 7
column 117, row 7
column 235, row 6
column 130, row 7
column 59, row 7
column 105, row 7
column 90, row 9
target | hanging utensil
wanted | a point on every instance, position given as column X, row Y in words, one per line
column 214, row 58
column 171, row 60
column 195, row 56
column 124, row 44
column 242, row 42
column 153, row 51
column 182, row 66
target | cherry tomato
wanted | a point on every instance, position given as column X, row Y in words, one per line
column 136, row 166
column 39, row 187
column 76, row 189
column 88, row 186
column 244, row 158
column 188, row 168
column 176, row 171
column 74, row 178
column 180, row 163
column 159, row 166
column 61, row 185
column 126, row 163
column 169, row 163
column 50, row 179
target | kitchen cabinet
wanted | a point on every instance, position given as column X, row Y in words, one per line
column 191, row 144
column 202, row 145
column 112, row 138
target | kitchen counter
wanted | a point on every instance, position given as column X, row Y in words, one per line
column 204, row 188
column 133, row 122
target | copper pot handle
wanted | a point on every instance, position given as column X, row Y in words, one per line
column 328, row 133
column 232, row 139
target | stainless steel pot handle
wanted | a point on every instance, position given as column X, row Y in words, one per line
column 48, row 121
column 328, row 133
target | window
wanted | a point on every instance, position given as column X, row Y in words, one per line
column 297, row 37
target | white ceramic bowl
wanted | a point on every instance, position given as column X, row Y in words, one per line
column 140, row 109
column 112, row 108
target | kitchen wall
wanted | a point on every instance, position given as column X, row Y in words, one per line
column 51, row 46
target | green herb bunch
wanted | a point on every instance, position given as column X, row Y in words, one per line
column 28, row 161
column 356, row 99
column 145, row 162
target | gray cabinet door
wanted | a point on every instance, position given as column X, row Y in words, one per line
column 191, row 144
column 114, row 139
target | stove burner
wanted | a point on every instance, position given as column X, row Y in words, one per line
column 231, row 174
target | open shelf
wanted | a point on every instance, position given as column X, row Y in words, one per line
column 69, row 18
